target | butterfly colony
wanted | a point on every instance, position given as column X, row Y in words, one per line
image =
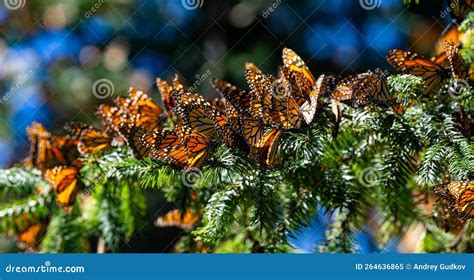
column 185, row 131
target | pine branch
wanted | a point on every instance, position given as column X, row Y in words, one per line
column 264, row 200
column 339, row 236
column 224, row 168
column 31, row 205
column 65, row 234
column 406, row 88
column 218, row 214
column 21, row 182
column 432, row 166
column 132, row 208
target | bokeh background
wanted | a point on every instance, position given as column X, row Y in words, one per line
column 53, row 52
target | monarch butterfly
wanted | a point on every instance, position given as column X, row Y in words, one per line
column 112, row 117
column 271, row 100
column 176, row 218
column 163, row 145
column 29, row 229
column 306, row 89
column 459, row 69
column 134, row 135
column 237, row 107
column 199, row 115
column 449, row 220
column 64, row 181
column 196, row 113
column 284, row 108
column 233, row 136
column 47, row 150
column 363, row 89
column 141, row 110
column 219, row 103
column 204, row 122
column 257, row 83
column 261, row 140
column 299, row 75
column 450, row 34
column 32, row 234
column 286, row 101
column 434, row 72
column 309, row 107
column 197, row 137
column 90, row 139
column 239, row 99
column 266, row 146
column 196, row 145
column 167, row 91
column 459, row 196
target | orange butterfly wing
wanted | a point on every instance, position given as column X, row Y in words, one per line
column 112, row 117
column 47, row 150
column 166, row 92
column 143, row 111
column 91, row 139
column 309, row 107
column 296, row 71
column 266, row 147
column 450, row 34
column 32, row 234
column 64, row 181
column 432, row 72
column 177, row 218
column 195, row 144
column 165, row 145
column 29, row 229
column 459, row 196
column 196, row 113
column 238, row 98
column 135, row 139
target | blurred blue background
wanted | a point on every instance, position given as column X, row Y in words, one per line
column 52, row 52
